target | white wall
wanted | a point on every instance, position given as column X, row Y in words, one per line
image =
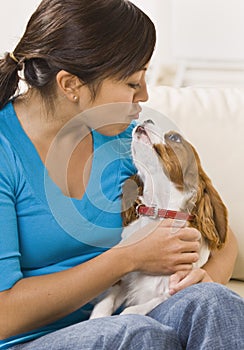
column 186, row 29
column 14, row 15
column 159, row 11
column 197, row 29
column 208, row 29
column 193, row 28
column 200, row 42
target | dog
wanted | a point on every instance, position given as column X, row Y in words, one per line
column 170, row 183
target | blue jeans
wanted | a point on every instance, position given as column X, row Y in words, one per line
column 205, row 316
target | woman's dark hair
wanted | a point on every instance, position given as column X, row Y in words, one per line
column 93, row 40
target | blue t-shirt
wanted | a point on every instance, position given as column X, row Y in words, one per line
column 41, row 230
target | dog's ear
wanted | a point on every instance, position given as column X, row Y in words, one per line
column 132, row 189
column 210, row 213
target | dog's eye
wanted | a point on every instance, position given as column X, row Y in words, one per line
column 175, row 137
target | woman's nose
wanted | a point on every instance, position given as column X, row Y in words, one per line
column 142, row 94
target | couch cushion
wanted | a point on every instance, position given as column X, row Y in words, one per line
column 236, row 286
column 212, row 119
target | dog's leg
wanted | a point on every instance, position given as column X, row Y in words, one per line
column 110, row 303
column 143, row 309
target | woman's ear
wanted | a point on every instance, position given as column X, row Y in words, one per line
column 69, row 85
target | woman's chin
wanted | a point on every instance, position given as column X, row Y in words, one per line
column 112, row 130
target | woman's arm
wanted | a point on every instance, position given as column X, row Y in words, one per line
column 221, row 263
column 219, row 267
column 36, row 301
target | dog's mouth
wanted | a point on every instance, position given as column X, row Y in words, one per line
column 143, row 135
column 140, row 130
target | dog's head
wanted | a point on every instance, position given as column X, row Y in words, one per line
column 174, row 160
column 155, row 152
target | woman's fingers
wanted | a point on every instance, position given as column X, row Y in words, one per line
column 189, row 234
column 183, row 279
column 187, row 258
column 177, row 277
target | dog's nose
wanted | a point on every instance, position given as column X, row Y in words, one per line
column 148, row 121
column 140, row 129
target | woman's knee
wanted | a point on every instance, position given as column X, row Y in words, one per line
column 201, row 311
column 198, row 298
column 211, row 293
column 138, row 332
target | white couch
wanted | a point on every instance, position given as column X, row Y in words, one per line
column 212, row 119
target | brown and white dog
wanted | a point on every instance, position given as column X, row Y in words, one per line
column 170, row 183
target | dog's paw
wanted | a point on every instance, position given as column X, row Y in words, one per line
column 102, row 309
column 100, row 312
column 96, row 315
column 133, row 310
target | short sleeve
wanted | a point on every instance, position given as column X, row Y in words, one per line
column 10, row 271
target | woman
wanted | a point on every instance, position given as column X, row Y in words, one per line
column 60, row 219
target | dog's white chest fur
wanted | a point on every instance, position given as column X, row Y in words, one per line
column 142, row 288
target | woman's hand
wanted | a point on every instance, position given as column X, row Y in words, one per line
column 218, row 269
column 163, row 249
column 183, row 279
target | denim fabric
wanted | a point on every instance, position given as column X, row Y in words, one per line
column 129, row 332
column 205, row 316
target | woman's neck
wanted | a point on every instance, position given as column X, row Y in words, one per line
column 67, row 154
column 37, row 120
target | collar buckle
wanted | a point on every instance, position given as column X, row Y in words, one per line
column 155, row 212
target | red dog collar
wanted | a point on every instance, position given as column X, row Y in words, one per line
column 163, row 213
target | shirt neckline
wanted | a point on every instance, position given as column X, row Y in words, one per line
column 29, row 155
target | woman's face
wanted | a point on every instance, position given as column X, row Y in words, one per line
column 116, row 103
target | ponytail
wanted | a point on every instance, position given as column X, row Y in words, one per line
column 9, row 78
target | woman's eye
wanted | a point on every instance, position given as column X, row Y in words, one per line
column 134, row 86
